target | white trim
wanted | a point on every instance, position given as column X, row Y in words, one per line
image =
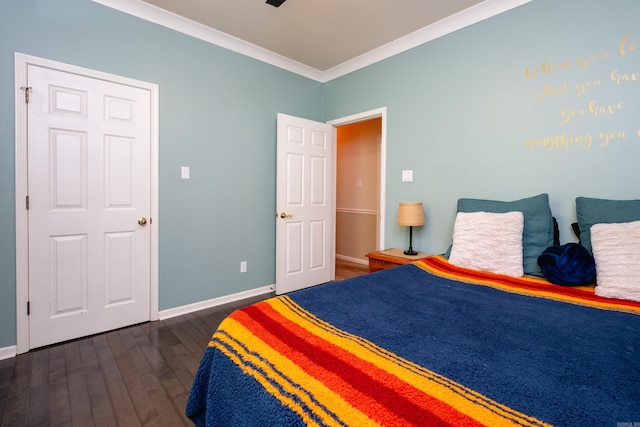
column 22, row 217
column 22, row 62
column 8, row 352
column 465, row 18
column 183, row 25
column 448, row 25
column 11, row 351
column 366, row 115
column 334, row 179
column 357, row 211
column 215, row 302
column 352, row 259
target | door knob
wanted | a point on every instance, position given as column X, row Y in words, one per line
column 142, row 221
column 284, row 215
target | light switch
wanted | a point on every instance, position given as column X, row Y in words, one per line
column 407, row 175
column 184, row 172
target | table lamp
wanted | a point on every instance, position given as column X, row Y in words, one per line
column 410, row 214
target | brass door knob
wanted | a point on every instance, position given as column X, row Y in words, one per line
column 142, row 221
column 283, row 215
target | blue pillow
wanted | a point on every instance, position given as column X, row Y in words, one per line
column 592, row 211
column 538, row 224
column 568, row 265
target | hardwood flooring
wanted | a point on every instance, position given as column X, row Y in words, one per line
column 136, row 376
column 347, row 269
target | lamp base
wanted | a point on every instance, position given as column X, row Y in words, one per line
column 410, row 251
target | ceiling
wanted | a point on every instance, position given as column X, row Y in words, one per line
column 319, row 39
column 318, row 33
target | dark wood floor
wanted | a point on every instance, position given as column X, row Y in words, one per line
column 135, row 376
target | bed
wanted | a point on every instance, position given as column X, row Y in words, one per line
column 427, row 343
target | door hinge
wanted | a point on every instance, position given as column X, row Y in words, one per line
column 28, row 308
column 27, row 202
column 26, row 90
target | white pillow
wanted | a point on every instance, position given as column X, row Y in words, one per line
column 616, row 250
column 488, row 241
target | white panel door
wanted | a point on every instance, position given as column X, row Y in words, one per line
column 89, row 185
column 305, row 220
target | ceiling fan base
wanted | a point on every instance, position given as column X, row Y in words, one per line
column 275, row 3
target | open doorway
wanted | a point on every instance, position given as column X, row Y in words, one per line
column 325, row 246
column 359, row 186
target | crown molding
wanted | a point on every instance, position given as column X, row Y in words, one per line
column 448, row 25
column 191, row 28
column 465, row 18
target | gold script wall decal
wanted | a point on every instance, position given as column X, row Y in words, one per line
column 576, row 96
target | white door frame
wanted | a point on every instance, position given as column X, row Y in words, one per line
column 359, row 117
column 21, row 172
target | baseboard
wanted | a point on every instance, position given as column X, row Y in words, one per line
column 201, row 305
column 11, row 351
column 8, row 352
column 352, row 259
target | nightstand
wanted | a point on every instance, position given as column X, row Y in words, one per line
column 381, row 260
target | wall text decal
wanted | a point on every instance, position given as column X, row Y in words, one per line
column 574, row 91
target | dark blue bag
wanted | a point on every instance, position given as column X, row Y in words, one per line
column 568, row 265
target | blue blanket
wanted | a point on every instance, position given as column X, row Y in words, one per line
column 568, row 360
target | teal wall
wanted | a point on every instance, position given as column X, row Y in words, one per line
column 217, row 115
column 467, row 117
column 462, row 113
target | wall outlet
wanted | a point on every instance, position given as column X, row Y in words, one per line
column 243, row 266
column 184, row 172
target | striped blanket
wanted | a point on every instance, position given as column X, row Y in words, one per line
column 424, row 344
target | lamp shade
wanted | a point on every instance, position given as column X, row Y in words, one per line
column 410, row 214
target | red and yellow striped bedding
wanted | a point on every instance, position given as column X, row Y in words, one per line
column 330, row 377
column 528, row 285
column 444, row 346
